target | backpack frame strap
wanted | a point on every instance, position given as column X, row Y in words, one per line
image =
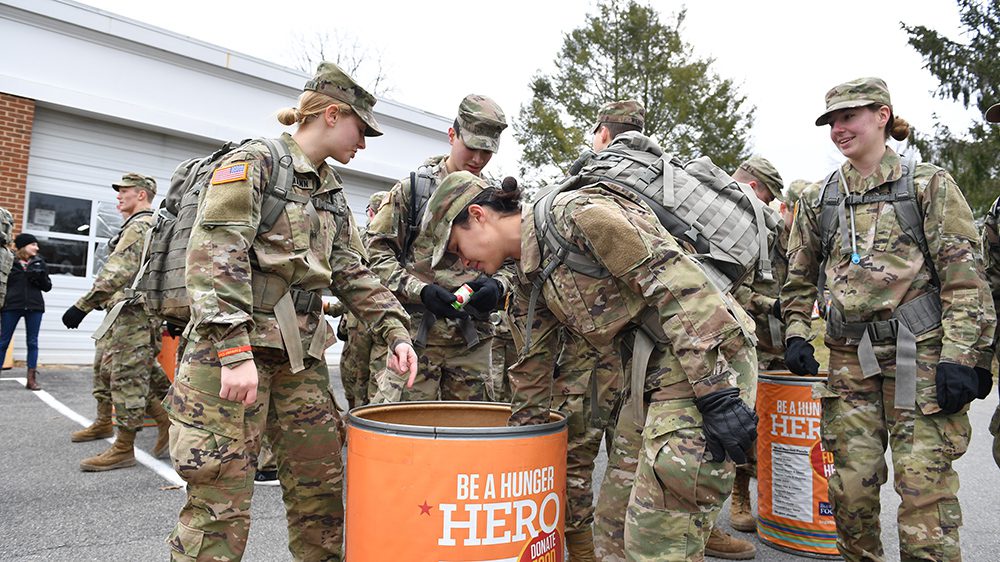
column 278, row 188
column 421, row 185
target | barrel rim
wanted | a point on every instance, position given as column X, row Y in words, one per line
column 786, row 377
column 445, row 432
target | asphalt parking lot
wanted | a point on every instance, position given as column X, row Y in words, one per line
column 49, row 510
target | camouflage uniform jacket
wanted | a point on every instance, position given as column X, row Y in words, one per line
column 6, row 255
column 308, row 248
column 386, row 236
column 122, row 265
column 649, row 271
column 991, row 258
column 757, row 296
column 892, row 270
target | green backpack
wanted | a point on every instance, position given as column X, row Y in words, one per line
column 161, row 278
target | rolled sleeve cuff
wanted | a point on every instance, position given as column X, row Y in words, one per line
column 959, row 355
column 798, row 329
column 234, row 350
column 84, row 305
column 413, row 290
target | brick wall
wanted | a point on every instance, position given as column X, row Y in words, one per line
column 16, row 118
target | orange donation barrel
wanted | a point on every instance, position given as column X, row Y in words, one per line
column 793, row 507
column 431, row 481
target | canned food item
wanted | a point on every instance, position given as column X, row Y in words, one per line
column 462, row 295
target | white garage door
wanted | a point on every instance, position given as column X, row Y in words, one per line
column 70, row 207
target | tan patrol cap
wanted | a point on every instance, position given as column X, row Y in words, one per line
column 132, row 179
column 762, row 169
column 448, row 201
column 480, row 122
column 334, row 82
column 629, row 112
column 856, row 93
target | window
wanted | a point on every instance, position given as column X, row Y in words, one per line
column 71, row 232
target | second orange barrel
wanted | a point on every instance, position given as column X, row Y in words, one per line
column 794, row 512
column 431, row 481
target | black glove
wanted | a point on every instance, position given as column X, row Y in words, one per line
column 72, row 317
column 486, row 294
column 438, row 301
column 342, row 330
column 957, row 385
column 174, row 330
column 985, row 382
column 800, row 358
column 776, row 309
column 730, row 425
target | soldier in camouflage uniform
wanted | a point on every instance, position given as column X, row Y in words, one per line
column 991, row 255
column 130, row 338
column 455, row 359
column 504, row 355
column 759, row 297
column 254, row 359
column 884, row 388
column 355, row 360
column 696, row 419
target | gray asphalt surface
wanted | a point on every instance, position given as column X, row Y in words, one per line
column 51, row 511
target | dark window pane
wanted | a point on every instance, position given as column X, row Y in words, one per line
column 64, row 257
column 55, row 213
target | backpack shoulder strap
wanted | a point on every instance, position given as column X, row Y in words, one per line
column 829, row 199
column 910, row 215
column 555, row 250
column 279, row 184
column 422, row 183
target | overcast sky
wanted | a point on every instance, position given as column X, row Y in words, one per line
column 784, row 54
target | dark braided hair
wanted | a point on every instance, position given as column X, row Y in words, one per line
column 504, row 199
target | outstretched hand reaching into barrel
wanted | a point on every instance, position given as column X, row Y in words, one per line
column 403, row 360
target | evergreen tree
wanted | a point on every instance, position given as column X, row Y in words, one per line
column 967, row 72
column 624, row 51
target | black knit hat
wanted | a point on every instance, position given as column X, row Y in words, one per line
column 23, row 239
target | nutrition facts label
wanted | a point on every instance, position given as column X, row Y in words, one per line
column 791, row 482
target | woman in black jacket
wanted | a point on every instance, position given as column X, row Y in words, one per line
column 29, row 277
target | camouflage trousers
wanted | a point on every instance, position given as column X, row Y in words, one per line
column 585, row 389
column 129, row 359
column 632, row 445
column 102, row 373
column 673, row 495
column 214, row 444
column 858, row 422
column 356, row 364
column 446, row 371
column 504, row 355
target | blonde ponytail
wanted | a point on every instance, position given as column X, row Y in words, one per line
column 310, row 103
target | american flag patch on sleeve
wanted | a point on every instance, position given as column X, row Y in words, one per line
column 230, row 173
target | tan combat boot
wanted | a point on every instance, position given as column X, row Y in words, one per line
column 120, row 455
column 32, row 384
column 580, row 545
column 723, row 545
column 100, row 429
column 162, row 447
column 740, row 512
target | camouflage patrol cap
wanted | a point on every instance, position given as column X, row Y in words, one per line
column 629, row 112
column 993, row 113
column 795, row 190
column 334, row 82
column 856, row 93
column 480, row 122
column 375, row 201
column 133, row 179
column 762, row 169
column 450, row 198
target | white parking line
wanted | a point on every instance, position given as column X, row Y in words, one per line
column 144, row 458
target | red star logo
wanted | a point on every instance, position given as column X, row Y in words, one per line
column 425, row 509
